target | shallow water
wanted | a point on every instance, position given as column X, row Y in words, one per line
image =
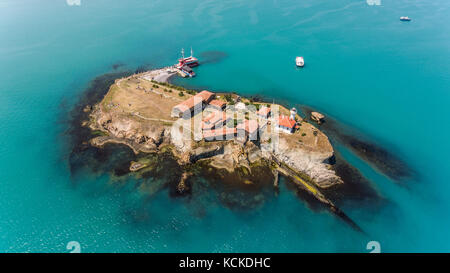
column 387, row 80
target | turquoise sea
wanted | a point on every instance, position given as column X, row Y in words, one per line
column 385, row 79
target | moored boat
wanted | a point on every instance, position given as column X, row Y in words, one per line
column 405, row 18
column 190, row 61
column 185, row 63
column 299, row 61
column 187, row 71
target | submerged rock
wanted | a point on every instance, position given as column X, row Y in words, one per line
column 317, row 117
column 87, row 108
column 136, row 166
column 183, row 187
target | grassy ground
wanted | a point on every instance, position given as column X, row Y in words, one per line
column 308, row 136
column 138, row 96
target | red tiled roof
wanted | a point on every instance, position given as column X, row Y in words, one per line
column 264, row 111
column 286, row 122
column 218, row 103
column 209, row 117
column 250, row 126
column 213, row 119
column 205, row 95
column 189, row 104
column 219, row 132
column 218, row 117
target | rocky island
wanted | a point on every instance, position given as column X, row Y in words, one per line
column 247, row 142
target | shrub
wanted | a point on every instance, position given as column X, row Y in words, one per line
column 228, row 98
column 181, row 94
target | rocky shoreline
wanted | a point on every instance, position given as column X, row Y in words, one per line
column 149, row 136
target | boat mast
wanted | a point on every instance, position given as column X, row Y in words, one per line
column 182, row 53
column 192, row 52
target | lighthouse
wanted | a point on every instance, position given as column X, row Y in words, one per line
column 293, row 113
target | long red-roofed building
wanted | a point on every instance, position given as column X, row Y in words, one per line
column 218, row 104
column 206, row 96
column 185, row 108
column 223, row 133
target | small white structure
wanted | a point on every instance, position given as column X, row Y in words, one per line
column 293, row 113
column 240, row 106
column 299, row 61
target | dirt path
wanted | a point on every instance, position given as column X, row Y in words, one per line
column 153, row 119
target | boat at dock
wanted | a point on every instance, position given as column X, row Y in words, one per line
column 190, row 61
column 185, row 63
column 299, row 61
column 405, row 18
column 186, row 71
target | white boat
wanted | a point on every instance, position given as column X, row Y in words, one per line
column 405, row 18
column 299, row 61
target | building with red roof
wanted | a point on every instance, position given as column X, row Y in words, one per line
column 214, row 120
column 286, row 124
column 248, row 128
column 223, row 133
column 218, row 104
column 185, row 108
column 206, row 96
column 264, row 112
